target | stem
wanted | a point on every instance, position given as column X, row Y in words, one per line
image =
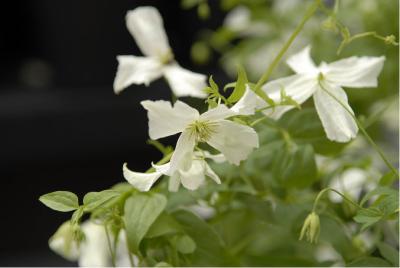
column 132, row 263
column 310, row 12
column 112, row 252
column 320, row 194
column 369, row 139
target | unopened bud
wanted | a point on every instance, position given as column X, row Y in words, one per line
column 390, row 40
column 311, row 228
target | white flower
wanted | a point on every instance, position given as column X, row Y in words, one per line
column 187, row 166
column 146, row 26
column 93, row 250
column 311, row 80
column 191, row 173
column 239, row 20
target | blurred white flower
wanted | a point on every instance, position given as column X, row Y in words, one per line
column 146, row 26
column 351, row 183
column 239, row 21
column 93, row 250
column 191, row 174
column 325, row 83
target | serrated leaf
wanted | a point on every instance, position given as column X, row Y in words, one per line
column 93, row 200
column 240, row 86
column 63, row 201
column 141, row 210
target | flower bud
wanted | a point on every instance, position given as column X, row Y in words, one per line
column 311, row 228
column 390, row 40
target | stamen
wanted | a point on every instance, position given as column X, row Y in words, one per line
column 202, row 130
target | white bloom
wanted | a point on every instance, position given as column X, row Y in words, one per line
column 351, row 182
column 239, row 20
column 93, row 250
column 355, row 72
column 187, row 166
column 191, row 174
column 146, row 26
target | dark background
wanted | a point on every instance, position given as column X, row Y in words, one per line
column 61, row 125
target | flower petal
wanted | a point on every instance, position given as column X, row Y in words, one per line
column 338, row 124
column 141, row 181
column 193, row 177
column 248, row 103
column 184, row 82
column 301, row 62
column 165, row 120
column 210, row 173
column 174, row 182
column 235, row 141
column 182, row 157
column 146, row 26
column 135, row 70
column 298, row 87
column 217, row 113
column 62, row 242
column 355, row 71
column 218, row 158
column 94, row 249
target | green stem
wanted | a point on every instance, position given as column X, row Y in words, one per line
column 131, row 262
column 110, row 248
column 369, row 139
column 320, row 194
column 310, row 12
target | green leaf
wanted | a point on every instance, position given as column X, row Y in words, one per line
column 369, row 262
column 210, row 250
column 213, row 85
column 187, row 4
column 184, row 244
column 77, row 215
column 164, row 224
column 141, row 210
column 378, row 191
column 240, row 86
column 93, row 200
column 388, row 178
column 60, row 200
column 389, row 253
column 368, row 217
column 295, row 166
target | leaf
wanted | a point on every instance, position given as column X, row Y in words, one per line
column 369, row 262
column 368, row 217
column 213, row 85
column 377, row 191
column 240, row 86
column 210, row 250
column 164, row 224
column 77, row 215
column 389, row 253
column 60, row 201
column 141, row 210
column 93, row 200
column 295, row 166
column 184, row 244
column 388, row 178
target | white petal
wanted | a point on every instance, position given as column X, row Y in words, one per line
column 141, row 181
column 182, row 157
column 122, row 253
column 298, row 87
column 62, row 242
column 338, row 124
column 146, row 26
column 301, row 62
column 136, row 70
column 355, row 71
column 248, row 103
column 184, row 82
column 165, row 120
column 164, row 169
column 235, row 141
column 217, row 113
column 174, row 182
column 94, row 249
column 351, row 182
column 193, row 177
column 210, row 173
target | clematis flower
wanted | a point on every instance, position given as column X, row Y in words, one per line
column 146, row 26
column 191, row 174
column 324, row 83
column 93, row 250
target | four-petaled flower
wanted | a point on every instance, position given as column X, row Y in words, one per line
column 146, row 26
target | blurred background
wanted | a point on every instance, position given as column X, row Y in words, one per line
column 63, row 128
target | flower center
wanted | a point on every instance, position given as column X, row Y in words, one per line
column 202, row 130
